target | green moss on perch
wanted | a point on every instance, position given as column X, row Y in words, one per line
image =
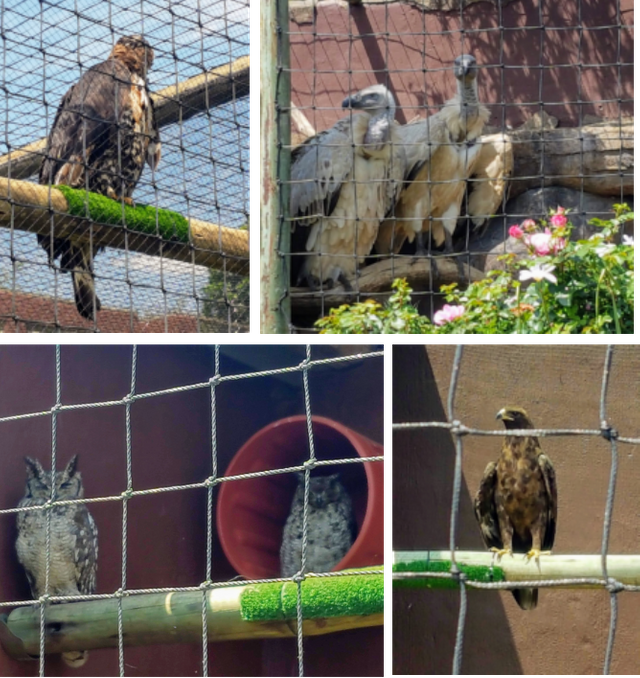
column 322, row 597
column 146, row 219
column 479, row 573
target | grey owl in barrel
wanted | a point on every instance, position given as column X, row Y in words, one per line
column 330, row 526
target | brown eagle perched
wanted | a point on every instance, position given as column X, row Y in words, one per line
column 517, row 503
column 103, row 132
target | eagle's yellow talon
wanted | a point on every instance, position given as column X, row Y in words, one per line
column 536, row 553
column 501, row 552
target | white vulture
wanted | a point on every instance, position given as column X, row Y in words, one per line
column 442, row 153
column 343, row 182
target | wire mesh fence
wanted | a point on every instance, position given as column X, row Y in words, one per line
column 181, row 263
column 58, row 498
column 481, row 115
column 608, row 368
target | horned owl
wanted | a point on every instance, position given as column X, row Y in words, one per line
column 73, row 540
column 330, row 526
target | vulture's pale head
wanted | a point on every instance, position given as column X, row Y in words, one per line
column 375, row 100
column 465, row 68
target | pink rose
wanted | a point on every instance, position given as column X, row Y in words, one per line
column 528, row 225
column 516, row 232
column 447, row 314
column 558, row 220
column 558, row 244
column 540, row 243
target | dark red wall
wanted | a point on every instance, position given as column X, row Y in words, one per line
column 579, row 55
column 171, row 445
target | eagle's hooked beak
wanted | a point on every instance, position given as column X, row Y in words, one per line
column 352, row 101
column 502, row 414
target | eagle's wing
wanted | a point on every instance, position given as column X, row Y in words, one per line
column 86, row 122
column 153, row 133
column 485, row 508
column 549, row 475
column 62, row 142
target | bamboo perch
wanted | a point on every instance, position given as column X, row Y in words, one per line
column 179, row 102
column 157, row 618
column 36, row 208
column 625, row 569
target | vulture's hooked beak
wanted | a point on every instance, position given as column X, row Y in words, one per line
column 352, row 101
column 465, row 67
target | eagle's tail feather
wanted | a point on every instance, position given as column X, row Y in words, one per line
column 526, row 598
column 85, row 292
column 78, row 262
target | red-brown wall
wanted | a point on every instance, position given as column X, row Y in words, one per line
column 171, row 445
column 533, row 52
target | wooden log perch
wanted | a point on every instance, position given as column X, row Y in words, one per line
column 37, row 209
column 376, row 279
column 154, row 619
column 167, row 618
column 596, row 158
column 215, row 87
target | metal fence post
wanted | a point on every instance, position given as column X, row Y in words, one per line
column 275, row 235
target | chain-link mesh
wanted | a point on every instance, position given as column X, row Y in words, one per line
column 556, row 81
column 159, row 271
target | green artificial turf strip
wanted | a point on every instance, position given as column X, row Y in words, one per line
column 141, row 218
column 479, row 573
column 321, row 597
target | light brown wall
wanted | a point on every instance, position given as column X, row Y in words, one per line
column 560, row 388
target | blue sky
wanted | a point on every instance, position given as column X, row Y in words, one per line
column 205, row 160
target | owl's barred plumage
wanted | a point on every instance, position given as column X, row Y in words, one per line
column 73, row 540
column 104, row 131
column 330, row 526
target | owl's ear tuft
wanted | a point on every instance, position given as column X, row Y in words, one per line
column 71, row 467
column 34, row 468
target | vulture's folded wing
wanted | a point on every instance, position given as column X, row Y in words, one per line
column 318, row 170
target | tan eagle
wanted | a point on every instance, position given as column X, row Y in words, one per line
column 103, row 132
column 517, row 503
